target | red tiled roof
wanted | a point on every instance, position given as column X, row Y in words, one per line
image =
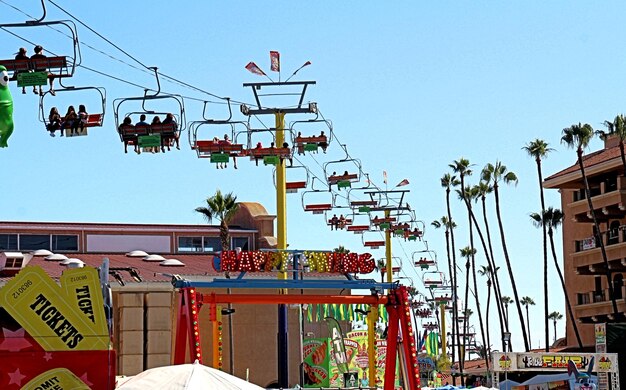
column 590, row 160
column 196, row 266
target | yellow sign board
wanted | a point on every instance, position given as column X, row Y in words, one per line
column 49, row 315
column 58, row 378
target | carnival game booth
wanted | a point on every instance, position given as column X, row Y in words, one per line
column 55, row 336
column 579, row 367
column 193, row 295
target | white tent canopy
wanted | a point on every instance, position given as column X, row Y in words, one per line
column 186, row 376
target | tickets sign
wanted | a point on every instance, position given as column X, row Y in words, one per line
column 59, row 319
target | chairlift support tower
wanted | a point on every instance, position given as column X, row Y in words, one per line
column 281, row 198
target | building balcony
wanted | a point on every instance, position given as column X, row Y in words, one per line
column 595, row 306
column 587, row 259
column 609, row 201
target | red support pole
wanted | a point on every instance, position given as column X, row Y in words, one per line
column 392, row 344
column 408, row 339
column 181, row 329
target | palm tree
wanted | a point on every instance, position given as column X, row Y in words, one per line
column 448, row 181
column 506, row 301
column 539, row 149
column 553, row 218
column 224, row 208
column 469, row 194
column 495, row 173
column 578, row 137
column 481, row 190
column 555, row 316
column 618, row 128
column 467, row 253
column 528, row 301
column 486, row 271
column 448, row 227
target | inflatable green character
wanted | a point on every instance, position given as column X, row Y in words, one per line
column 6, row 108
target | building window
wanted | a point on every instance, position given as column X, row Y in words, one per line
column 240, row 242
column 64, row 243
column 32, row 242
column 613, row 233
column 8, row 242
column 14, row 262
column 190, row 244
column 212, row 244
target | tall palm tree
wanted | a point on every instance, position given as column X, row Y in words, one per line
column 223, row 208
column 485, row 271
column 555, row 316
column 578, row 137
column 443, row 221
column 553, row 219
column 495, row 173
column 539, row 149
column 467, row 253
column 448, row 181
column 481, row 190
column 506, row 301
column 528, row 301
column 618, row 128
column 469, row 194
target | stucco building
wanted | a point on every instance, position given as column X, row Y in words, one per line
column 584, row 269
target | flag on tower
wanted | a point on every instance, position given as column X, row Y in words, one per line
column 252, row 67
column 275, row 61
column 404, row 182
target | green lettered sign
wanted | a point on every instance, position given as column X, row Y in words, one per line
column 31, row 79
column 219, row 157
column 150, row 141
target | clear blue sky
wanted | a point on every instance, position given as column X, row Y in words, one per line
column 409, row 86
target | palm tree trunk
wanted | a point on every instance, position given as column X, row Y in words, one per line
column 567, row 301
column 493, row 274
column 470, row 214
column 601, row 240
column 224, row 233
column 509, row 268
column 453, row 355
column 528, row 326
column 545, row 257
column 455, row 296
column 488, row 348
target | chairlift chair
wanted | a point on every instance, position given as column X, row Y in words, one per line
column 316, row 208
column 207, row 147
column 152, row 135
column 373, row 240
column 432, row 279
column 92, row 120
column 311, row 143
column 423, row 261
column 272, row 155
column 349, row 175
column 36, row 72
column 301, row 182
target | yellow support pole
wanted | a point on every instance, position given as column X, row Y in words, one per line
column 388, row 250
column 442, row 310
column 281, row 192
column 372, row 318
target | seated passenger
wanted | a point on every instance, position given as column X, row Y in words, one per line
column 82, row 118
column 286, row 146
column 169, row 118
column 123, row 130
column 21, row 55
column 54, row 122
column 69, row 119
column 39, row 55
column 142, row 120
column 256, row 157
column 323, row 144
column 334, row 222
